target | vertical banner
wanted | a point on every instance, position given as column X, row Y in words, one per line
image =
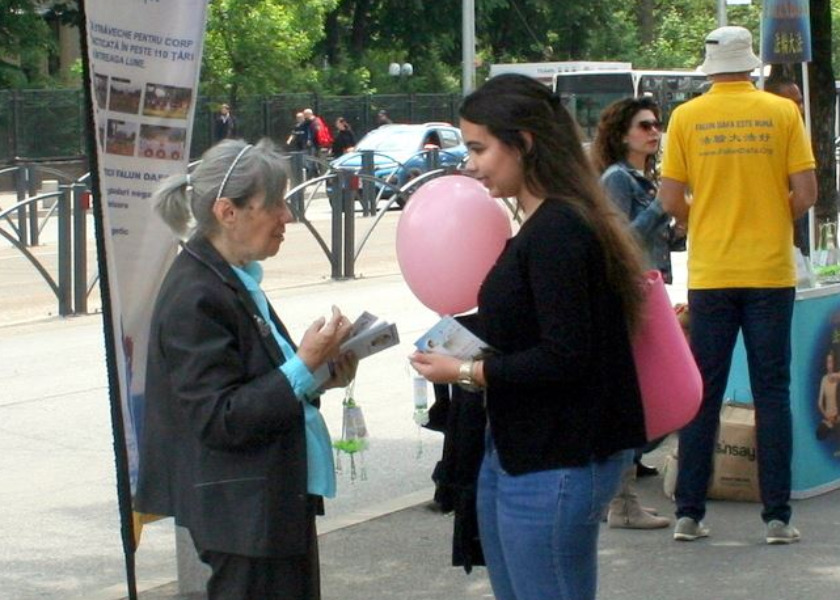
column 144, row 58
column 786, row 31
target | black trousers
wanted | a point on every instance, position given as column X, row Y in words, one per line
column 238, row 577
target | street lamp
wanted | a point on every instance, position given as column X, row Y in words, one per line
column 403, row 71
column 400, row 70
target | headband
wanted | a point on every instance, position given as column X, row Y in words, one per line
column 230, row 170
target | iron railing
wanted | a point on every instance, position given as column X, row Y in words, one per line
column 22, row 223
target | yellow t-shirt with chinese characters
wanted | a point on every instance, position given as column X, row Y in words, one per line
column 734, row 148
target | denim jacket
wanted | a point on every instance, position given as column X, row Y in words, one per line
column 635, row 196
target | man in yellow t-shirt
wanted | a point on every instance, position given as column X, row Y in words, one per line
column 745, row 157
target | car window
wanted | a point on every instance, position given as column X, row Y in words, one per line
column 432, row 139
column 448, row 138
column 386, row 138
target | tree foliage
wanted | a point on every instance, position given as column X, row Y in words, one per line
column 261, row 46
column 24, row 40
column 369, row 34
column 345, row 46
column 835, row 42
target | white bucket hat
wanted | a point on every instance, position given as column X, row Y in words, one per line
column 729, row 50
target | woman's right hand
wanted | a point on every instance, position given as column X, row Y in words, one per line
column 435, row 367
column 322, row 340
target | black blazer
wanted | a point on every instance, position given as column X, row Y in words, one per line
column 223, row 445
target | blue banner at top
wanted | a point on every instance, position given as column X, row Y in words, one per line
column 786, row 31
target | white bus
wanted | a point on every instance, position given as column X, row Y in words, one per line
column 586, row 93
column 544, row 72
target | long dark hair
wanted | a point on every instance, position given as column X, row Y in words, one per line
column 556, row 167
column 609, row 147
column 344, row 121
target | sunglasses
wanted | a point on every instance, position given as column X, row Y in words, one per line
column 649, row 125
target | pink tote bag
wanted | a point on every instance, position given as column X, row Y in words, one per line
column 669, row 379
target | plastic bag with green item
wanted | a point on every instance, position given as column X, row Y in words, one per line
column 354, row 436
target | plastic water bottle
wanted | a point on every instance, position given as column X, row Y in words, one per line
column 421, row 408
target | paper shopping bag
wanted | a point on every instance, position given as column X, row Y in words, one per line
column 735, row 468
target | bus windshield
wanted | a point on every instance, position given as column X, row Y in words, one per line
column 586, row 93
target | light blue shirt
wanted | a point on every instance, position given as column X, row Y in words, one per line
column 320, row 467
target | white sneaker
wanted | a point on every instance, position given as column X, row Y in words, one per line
column 779, row 532
column 688, row 530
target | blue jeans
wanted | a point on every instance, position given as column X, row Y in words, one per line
column 539, row 531
column 764, row 317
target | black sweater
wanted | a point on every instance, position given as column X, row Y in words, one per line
column 562, row 390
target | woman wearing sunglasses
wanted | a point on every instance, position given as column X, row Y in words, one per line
column 624, row 152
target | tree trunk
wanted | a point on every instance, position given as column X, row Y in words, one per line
column 644, row 20
column 822, row 110
column 358, row 36
column 331, row 36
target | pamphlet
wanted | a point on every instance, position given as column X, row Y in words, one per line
column 449, row 337
column 369, row 335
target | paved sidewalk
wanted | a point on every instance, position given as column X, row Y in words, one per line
column 59, row 528
column 405, row 555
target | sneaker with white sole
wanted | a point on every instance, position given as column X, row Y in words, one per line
column 779, row 532
column 688, row 530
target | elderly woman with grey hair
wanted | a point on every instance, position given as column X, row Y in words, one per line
column 233, row 444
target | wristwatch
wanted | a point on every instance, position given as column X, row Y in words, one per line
column 465, row 376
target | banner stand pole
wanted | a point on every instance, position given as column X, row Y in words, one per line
column 117, row 424
column 806, row 100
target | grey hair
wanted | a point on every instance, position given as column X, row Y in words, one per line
column 185, row 202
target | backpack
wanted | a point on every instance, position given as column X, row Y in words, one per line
column 323, row 137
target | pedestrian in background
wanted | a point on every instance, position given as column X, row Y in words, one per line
column 311, row 129
column 745, row 157
column 299, row 134
column 558, row 308
column 225, row 123
column 787, row 88
column 382, row 118
column 345, row 139
column 234, row 445
column 319, row 142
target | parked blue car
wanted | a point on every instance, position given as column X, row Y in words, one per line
column 400, row 152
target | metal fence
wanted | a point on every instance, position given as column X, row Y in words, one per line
column 42, row 125
column 22, row 222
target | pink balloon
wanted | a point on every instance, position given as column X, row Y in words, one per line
column 449, row 236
